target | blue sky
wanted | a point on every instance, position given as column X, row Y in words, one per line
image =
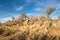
column 9, row 8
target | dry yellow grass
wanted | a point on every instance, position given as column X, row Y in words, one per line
column 36, row 28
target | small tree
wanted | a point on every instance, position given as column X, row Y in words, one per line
column 0, row 23
column 22, row 15
column 50, row 10
column 59, row 17
column 13, row 18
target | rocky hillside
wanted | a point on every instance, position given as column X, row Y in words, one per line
column 33, row 28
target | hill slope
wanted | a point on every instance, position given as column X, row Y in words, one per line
column 35, row 28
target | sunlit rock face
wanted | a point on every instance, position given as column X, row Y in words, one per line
column 35, row 28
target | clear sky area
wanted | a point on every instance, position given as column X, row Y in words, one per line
column 9, row 8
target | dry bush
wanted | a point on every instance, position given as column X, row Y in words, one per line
column 35, row 28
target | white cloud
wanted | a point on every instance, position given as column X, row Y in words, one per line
column 37, row 9
column 20, row 8
column 28, row 2
column 5, row 19
column 58, row 6
column 29, row 14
